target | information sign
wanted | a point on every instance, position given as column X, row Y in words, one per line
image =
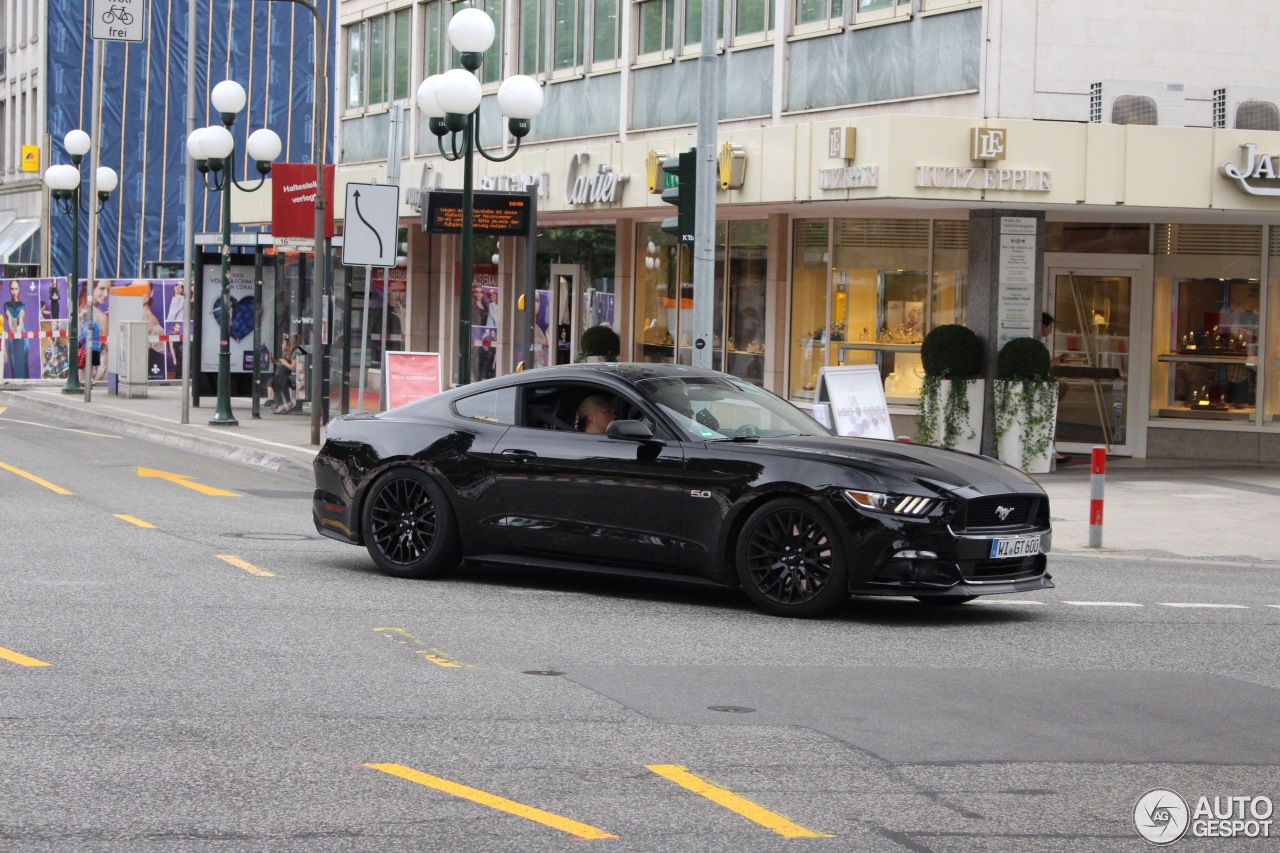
column 493, row 214
column 119, row 20
column 855, row 395
column 411, row 376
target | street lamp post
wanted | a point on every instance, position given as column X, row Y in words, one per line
column 451, row 102
column 213, row 148
column 64, row 186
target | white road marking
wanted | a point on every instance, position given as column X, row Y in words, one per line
column 1103, row 603
column 1206, row 606
column 1008, row 601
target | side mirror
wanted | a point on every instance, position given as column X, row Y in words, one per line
column 629, row 430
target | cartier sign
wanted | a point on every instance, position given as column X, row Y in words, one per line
column 603, row 185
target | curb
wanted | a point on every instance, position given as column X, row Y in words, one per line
column 228, row 451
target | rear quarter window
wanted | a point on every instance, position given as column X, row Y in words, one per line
column 493, row 407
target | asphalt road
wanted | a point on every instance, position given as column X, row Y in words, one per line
column 228, row 680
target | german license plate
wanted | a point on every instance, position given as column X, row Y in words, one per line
column 1019, row 546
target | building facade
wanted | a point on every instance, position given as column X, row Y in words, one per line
column 861, row 147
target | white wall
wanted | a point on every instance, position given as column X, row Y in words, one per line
column 1040, row 63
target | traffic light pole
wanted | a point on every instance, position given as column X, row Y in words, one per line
column 704, row 232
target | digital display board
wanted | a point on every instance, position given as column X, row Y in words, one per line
column 493, row 214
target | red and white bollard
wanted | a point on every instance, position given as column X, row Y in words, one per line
column 1097, row 481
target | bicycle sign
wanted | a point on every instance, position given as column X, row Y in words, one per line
column 119, row 20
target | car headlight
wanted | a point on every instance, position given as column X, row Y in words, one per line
column 909, row 505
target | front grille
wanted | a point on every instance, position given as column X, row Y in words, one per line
column 998, row 512
column 1012, row 569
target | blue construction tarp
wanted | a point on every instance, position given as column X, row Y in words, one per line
column 267, row 47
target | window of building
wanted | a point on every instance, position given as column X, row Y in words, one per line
column 605, row 44
column 878, row 11
column 533, row 40
column 811, row 15
column 436, row 52
column 378, row 60
column 355, row 66
column 655, row 28
column 751, row 18
column 1205, row 328
column 693, row 24
column 664, row 299
column 865, row 291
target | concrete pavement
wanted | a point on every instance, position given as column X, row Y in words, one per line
column 1154, row 509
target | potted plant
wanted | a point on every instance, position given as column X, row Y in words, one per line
column 951, row 394
column 599, row 343
column 1025, row 402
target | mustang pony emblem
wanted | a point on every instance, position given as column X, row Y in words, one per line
column 1003, row 512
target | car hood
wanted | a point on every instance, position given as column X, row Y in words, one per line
column 892, row 462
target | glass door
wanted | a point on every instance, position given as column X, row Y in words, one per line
column 566, row 320
column 1101, row 319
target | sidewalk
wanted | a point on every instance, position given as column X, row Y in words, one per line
column 1216, row 512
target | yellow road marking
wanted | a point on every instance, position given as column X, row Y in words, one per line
column 581, row 831
column 248, row 567
column 38, row 480
column 402, row 637
column 21, row 659
column 184, row 480
column 137, row 521
column 731, row 801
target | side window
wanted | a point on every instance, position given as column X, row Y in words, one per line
column 495, row 407
column 576, row 407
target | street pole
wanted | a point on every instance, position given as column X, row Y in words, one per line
column 73, row 323
column 95, row 132
column 704, row 253
column 468, row 231
column 451, row 102
column 222, row 415
column 188, row 225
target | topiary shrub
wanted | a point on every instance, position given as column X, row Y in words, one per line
column 600, row 341
column 1023, row 360
column 951, row 351
column 954, row 353
column 1031, row 403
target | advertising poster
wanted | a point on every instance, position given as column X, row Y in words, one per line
column 22, row 310
column 411, row 376
column 240, row 295
column 54, row 347
column 484, row 321
column 541, row 330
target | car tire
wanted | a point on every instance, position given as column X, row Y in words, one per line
column 408, row 526
column 945, row 600
column 790, row 561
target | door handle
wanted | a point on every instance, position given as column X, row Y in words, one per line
column 520, row 455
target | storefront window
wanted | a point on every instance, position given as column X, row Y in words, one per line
column 810, row 272
column 1097, row 238
column 1205, row 336
column 664, row 299
column 1271, row 368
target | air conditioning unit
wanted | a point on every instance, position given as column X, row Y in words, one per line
column 1246, row 108
column 1137, row 102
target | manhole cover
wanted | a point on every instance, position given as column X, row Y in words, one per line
column 731, row 709
column 542, row 672
column 273, row 537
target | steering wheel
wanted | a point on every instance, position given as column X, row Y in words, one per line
column 707, row 419
column 747, row 431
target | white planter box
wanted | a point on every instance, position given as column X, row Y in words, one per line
column 970, row 438
column 1009, row 447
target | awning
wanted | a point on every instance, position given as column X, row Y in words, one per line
column 17, row 236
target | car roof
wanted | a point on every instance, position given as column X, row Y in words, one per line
column 628, row 373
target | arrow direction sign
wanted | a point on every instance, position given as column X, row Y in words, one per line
column 184, row 480
column 372, row 220
column 119, row 20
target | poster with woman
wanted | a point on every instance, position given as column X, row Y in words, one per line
column 21, row 312
column 97, row 297
column 54, row 349
column 484, row 321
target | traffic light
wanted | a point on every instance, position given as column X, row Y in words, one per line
column 684, row 169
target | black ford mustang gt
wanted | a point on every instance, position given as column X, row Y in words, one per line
column 701, row 476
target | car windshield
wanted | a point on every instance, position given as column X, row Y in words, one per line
column 713, row 408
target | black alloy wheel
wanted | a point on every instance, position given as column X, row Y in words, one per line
column 789, row 562
column 408, row 526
